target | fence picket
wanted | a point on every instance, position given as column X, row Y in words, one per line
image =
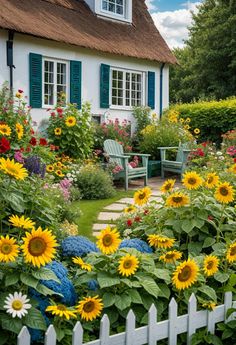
column 173, row 310
column 130, row 329
column 152, row 320
column 210, row 322
column 228, row 304
column 77, row 337
column 23, row 337
column 104, row 330
column 192, row 308
column 50, row 336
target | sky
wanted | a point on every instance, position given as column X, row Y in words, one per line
column 172, row 18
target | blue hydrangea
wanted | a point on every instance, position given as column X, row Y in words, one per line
column 93, row 285
column 77, row 246
column 136, row 243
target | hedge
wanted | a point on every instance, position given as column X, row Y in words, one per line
column 213, row 118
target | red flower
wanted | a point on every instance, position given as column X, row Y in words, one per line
column 59, row 110
column 4, row 145
column 129, row 222
column 137, row 219
column 53, row 114
column 20, row 91
column 60, row 116
column 28, row 149
column 210, row 218
column 234, row 160
column 22, row 149
column 31, row 131
column 33, row 141
column 43, row 142
column 146, row 211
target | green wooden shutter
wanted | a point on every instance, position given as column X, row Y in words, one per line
column 35, row 66
column 75, row 82
column 104, row 86
column 151, row 90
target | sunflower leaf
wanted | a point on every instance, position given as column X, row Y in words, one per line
column 34, row 319
column 123, row 301
column 209, row 292
column 28, row 280
column 107, row 280
column 151, row 287
column 45, row 274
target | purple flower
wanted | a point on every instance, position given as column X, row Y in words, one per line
column 18, row 157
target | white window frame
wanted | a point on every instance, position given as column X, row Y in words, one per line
column 55, row 61
column 114, row 14
column 143, row 88
column 126, row 17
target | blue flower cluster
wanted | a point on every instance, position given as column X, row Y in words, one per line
column 93, row 285
column 136, row 243
column 34, row 166
column 77, row 246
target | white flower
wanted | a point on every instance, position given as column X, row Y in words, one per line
column 222, row 158
column 219, row 153
column 68, row 174
column 17, row 305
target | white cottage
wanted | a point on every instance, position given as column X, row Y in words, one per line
column 107, row 52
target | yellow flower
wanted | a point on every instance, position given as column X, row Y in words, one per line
column 58, row 164
column 211, row 180
column 18, row 95
column 177, row 199
column 158, row 241
column 188, row 120
column 130, row 209
column 22, row 222
column 171, row 256
column 191, row 180
column 12, row 168
column 231, row 253
column 90, row 308
column 57, row 131
column 209, row 305
column 39, row 247
column 141, row 196
column 224, row 193
column 8, row 249
column 233, row 169
column 108, row 240
column 61, row 311
column 50, row 168
column 196, row 131
column 128, row 265
column 79, row 261
column 70, row 121
column 168, row 186
column 181, row 120
column 210, row 265
column 185, row 274
column 187, row 127
column 5, row 130
column 59, row 173
column 19, row 130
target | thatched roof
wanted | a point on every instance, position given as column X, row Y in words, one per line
column 72, row 22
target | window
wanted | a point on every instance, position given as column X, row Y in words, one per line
column 55, row 74
column 127, row 88
column 114, row 6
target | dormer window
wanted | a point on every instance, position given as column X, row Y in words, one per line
column 114, row 6
column 120, row 10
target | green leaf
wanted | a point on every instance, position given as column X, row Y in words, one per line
column 135, row 296
column 46, row 291
column 208, row 242
column 187, row 225
column 123, row 301
column 230, row 311
column 34, row 319
column 151, row 287
column 45, row 274
column 60, row 333
column 162, row 273
column 107, row 280
column 164, row 291
column 11, row 279
column 227, row 333
column 12, row 325
column 27, row 279
column 221, row 277
column 108, row 299
column 16, row 201
column 208, row 291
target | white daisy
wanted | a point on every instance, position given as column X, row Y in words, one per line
column 17, row 305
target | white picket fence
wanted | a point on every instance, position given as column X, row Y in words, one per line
column 154, row 331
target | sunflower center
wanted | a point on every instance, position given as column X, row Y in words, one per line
column 224, row 191
column 127, row 264
column 6, row 248
column 61, row 307
column 37, row 246
column 210, row 179
column 17, row 305
column 177, row 199
column 192, row 181
column 88, row 307
column 107, row 240
column 210, row 264
column 142, row 196
column 168, row 186
column 170, row 256
column 233, row 251
column 185, row 274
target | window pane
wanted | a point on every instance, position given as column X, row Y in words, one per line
column 48, row 82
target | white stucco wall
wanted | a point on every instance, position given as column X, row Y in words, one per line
column 91, row 61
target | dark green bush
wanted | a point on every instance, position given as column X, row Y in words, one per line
column 212, row 118
column 95, row 183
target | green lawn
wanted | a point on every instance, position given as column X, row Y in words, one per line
column 90, row 210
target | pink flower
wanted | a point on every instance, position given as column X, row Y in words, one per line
column 19, row 157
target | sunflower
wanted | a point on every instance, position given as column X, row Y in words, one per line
column 39, row 247
column 128, row 265
column 90, row 308
column 141, row 196
column 210, row 265
column 168, row 186
column 191, row 180
column 171, row 256
column 59, row 173
column 5, row 130
column 61, row 311
column 8, row 249
column 211, row 180
column 188, row 120
column 130, row 209
column 231, row 253
column 70, row 121
column 57, row 131
column 233, row 169
column 19, row 130
column 224, row 193
column 22, row 222
column 79, row 261
column 108, row 240
column 209, row 305
column 50, row 168
column 185, row 274
column 158, row 241
column 12, row 168
column 177, row 199
column 196, row 131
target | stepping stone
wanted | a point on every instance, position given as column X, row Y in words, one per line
column 96, row 233
column 100, row 226
column 156, row 193
column 155, row 198
column 108, row 216
column 115, row 207
column 126, row 201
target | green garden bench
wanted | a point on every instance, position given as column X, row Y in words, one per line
column 116, row 155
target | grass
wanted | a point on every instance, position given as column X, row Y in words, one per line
column 90, row 210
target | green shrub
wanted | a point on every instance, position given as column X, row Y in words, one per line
column 142, row 116
column 212, row 118
column 95, row 183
